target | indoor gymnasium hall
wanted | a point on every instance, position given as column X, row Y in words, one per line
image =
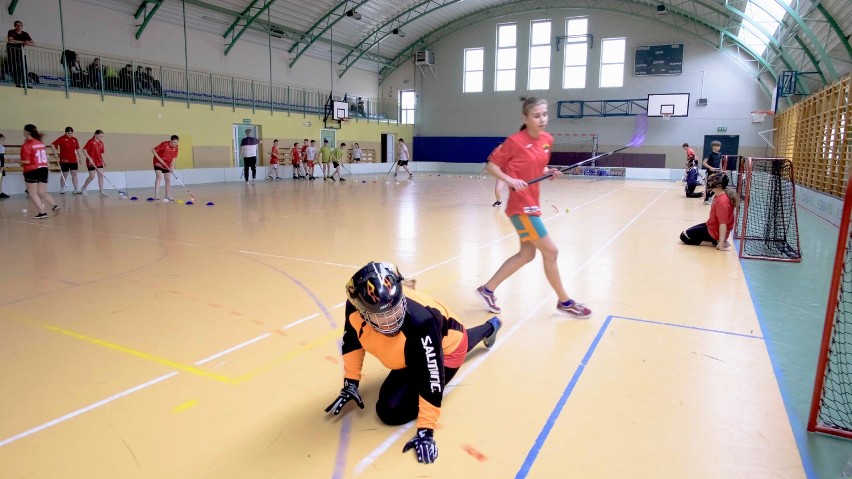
column 203, row 329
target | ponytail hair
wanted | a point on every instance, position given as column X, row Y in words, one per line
column 733, row 196
column 33, row 131
column 529, row 104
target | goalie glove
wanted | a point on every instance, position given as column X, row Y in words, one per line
column 348, row 393
column 424, row 446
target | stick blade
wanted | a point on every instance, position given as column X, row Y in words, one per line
column 640, row 132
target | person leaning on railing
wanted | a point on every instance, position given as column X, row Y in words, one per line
column 16, row 40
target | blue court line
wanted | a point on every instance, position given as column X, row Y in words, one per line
column 797, row 424
column 691, row 327
column 557, row 410
column 551, row 420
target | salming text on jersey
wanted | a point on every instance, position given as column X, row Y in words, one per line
column 432, row 364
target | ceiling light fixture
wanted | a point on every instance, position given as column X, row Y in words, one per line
column 352, row 13
column 397, row 31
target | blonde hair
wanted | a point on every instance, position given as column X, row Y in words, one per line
column 529, row 104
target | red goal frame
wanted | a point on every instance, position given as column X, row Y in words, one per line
column 828, row 329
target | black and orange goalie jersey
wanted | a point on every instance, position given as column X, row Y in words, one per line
column 430, row 340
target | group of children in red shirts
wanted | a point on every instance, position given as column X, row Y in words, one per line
column 304, row 160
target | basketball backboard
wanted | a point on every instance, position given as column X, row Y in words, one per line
column 673, row 104
column 340, row 111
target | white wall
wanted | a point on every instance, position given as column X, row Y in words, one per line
column 111, row 33
column 708, row 73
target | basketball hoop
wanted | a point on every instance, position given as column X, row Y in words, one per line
column 667, row 116
column 759, row 115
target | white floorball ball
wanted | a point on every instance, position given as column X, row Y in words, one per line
column 165, row 200
column 24, row 210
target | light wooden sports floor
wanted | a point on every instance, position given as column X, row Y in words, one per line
column 153, row 340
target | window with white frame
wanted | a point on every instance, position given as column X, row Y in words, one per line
column 576, row 52
column 407, row 103
column 539, row 74
column 474, row 62
column 612, row 62
column 507, row 57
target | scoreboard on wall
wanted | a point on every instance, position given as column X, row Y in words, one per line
column 658, row 60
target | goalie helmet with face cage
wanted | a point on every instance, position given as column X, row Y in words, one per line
column 376, row 291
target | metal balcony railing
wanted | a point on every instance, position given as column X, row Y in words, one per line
column 39, row 67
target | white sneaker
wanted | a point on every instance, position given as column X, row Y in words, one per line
column 62, row 190
column 103, row 194
column 169, row 198
column 75, row 192
column 83, row 192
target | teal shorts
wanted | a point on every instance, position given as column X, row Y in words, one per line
column 529, row 227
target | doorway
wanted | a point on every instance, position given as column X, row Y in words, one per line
column 239, row 132
column 388, row 147
column 330, row 135
column 730, row 146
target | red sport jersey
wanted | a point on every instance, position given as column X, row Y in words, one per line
column 273, row 156
column 68, row 147
column 33, row 155
column 95, row 149
column 296, row 156
column 523, row 157
column 168, row 153
column 721, row 212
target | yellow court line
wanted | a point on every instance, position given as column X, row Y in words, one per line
column 334, row 334
column 183, row 407
column 139, row 354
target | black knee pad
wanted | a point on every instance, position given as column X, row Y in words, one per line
column 393, row 416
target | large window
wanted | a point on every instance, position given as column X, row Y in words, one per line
column 507, row 57
column 474, row 61
column 539, row 77
column 576, row 52
column 612, row 62
column 765, row 13
column 407, row 103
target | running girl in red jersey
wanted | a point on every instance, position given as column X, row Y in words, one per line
column 521, row 158
column 94, row 152
column 34, row 164
column 164, row 159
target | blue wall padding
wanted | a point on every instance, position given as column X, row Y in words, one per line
column 475, row 149
column 454, row 149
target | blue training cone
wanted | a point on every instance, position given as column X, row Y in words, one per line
column 150, row 199
column 189, row 203
column 133, row 198
column 210, row 203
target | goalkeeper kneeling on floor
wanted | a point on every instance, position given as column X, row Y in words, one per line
column 413, row 335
